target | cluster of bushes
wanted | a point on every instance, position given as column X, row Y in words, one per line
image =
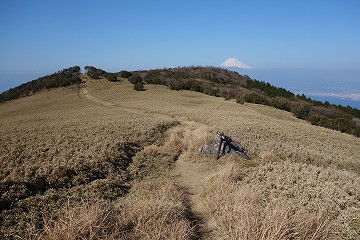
column 137, row 81
column 191, row 85
column 268, row 89
column 63, row 78
column 124, row 74
column 325, row 116
column 112, row 77
column 253, row 98
column 210, row 74
column 223, row 83
column 94, row 72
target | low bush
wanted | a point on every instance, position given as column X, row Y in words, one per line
column 339, row 124
column 301, row 110
column 94, row 72
column 281, row 103
column 125, row 74
column 255, row 98
column 134, row 79
column 139, row 86
column 112, row 77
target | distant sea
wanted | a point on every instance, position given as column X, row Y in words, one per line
column 11, row 80
column 337, row 86
column 338, row 101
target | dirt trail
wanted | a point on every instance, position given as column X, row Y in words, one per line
column 191, row 177
column 84, row 93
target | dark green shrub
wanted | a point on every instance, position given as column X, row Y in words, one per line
column 240, row 100
column 94, row 72
column 176, row 85
column 112, row 77
column 357, row 132
column 134, row 79
column 196, row 86
column 139, row 87
column 125, row 74
column 281, row 103
column 211, row 91
column 268, row 89
column 301, row 110
column 255, row 98
column 342, row 125
column 316, row 119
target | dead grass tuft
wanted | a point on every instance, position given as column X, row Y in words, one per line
column 188, row 138
column 95, row 219
column 268, row 156
column 153, row 150
column 241, row 212
column 227, row 174
column 155, row 209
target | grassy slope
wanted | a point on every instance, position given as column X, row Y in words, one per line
column 57, row 128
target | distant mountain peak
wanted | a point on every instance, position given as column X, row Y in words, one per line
column 233, row 62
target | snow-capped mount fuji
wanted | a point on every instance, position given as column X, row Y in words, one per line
column 233, row 62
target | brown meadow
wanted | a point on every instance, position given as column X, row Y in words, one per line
column 132, row 168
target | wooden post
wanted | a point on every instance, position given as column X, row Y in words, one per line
column 219, row 148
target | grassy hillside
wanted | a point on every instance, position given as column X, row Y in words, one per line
column 113, row 162
column 231, row 85
column 211, row 81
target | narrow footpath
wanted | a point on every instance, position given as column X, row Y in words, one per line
column 191, row 176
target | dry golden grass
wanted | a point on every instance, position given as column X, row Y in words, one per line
column 239, row 212
column 95, row 219
column 188, row 137
column 268, row 156
column 282, row 201
column 155, row 209
column 302, row 181
column 55, row 145
column 259, row 128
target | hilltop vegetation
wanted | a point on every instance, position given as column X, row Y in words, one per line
column 231, row 85
column 214, row 82
column 63, row 78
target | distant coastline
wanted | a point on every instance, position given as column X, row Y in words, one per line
column 337, row 86
column 336, row 100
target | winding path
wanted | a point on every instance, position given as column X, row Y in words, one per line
column 84, row 94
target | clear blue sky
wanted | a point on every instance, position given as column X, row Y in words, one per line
column 49, row 35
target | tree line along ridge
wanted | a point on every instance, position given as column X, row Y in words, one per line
column 212, row 81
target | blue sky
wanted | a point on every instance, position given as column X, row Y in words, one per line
column 44, row 36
